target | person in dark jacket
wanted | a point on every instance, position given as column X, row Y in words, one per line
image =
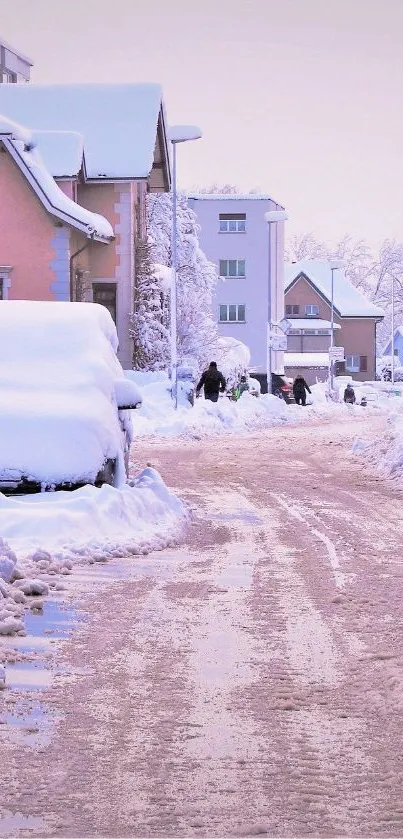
column 299, row 390
column 349, row 395
column 213, row 381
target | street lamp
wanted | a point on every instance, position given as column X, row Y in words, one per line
column 392, row 372
column 335, row 265
column 271, row 217
column 176, row 134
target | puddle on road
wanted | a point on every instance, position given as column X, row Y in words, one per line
column 11, row 823
column 28, row 720
column 243, row 516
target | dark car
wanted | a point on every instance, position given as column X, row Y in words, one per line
column 281, row 388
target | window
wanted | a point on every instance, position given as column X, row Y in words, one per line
column 292, row 309
column 311, row 310
column 232, row 267
column 232, row 313
column 105, row 294
column 356, row 363
column 1, row 289
column 232, row 222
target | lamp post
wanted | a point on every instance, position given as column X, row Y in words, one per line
column 271, row 217
column 335, row 265
column 176, row 134
column 393, row 332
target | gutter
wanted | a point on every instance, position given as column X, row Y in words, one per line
column 71, row 261
column 60, row 214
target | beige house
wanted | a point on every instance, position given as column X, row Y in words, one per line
column 308, row 295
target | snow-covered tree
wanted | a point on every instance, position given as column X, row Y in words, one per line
column 373, row 273
column 148, row 322
column 196, row 277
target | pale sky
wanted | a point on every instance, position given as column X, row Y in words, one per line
column 302, row 99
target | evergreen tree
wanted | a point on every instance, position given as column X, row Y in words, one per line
column 148, row 326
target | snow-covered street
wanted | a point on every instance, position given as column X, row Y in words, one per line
column 249, row 682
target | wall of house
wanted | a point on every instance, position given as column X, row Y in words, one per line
column 308, row 343
column 356, row 335
column 312, row 375
column 30, row 241
column 252, row 291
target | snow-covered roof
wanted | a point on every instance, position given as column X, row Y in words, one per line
column 19, row 142
column 311, row 323
column 229, row 196
column 16, row 52
column 348, row 300
column 388, row 345
column 61, row 151
column 306, row 359
column 118, row 121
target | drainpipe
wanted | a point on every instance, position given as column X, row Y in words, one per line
column 72, row 258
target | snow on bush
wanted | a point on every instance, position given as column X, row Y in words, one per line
column 233, row 359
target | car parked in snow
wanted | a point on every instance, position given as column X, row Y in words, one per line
column 65, row 404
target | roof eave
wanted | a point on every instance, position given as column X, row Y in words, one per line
column 54, row 211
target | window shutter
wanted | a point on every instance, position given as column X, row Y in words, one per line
column 363, row 363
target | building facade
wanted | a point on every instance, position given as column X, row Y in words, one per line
column 14, row 67
column 75, row 192
column 235, row 236
column 308, row 296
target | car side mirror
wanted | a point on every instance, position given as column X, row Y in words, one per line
column 127, row 394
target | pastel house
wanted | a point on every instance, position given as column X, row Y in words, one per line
column 76, row 163
column 308, row 301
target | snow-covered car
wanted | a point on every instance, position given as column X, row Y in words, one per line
column 65, row 404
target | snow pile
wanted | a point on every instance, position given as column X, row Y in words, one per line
column 157, row 415
column 385, row 454
column 58, row 413
column 49, row 533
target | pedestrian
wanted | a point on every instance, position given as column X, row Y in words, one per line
column 243, row 385
column 299, row 390
column 349, row 395
column 213, row 382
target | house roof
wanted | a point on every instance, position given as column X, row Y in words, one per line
column 19, row 143
column 118, row 121
column 228, row 196
column 348, row 300
column 16, row 52
column 61, row 151
column 306, row 359
column 388, row 345
column 311, row 323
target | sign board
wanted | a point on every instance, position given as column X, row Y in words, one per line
column 336, row 353
column 278, row 343
column 285, row 325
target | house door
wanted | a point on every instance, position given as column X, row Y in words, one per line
column 105, row 294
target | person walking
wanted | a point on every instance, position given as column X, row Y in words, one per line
column 349, row 395
column 213, row 382
column 299, row 389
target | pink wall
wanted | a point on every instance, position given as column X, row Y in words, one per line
column 26, row 233
column 101, row 198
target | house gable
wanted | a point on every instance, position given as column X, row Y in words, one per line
column 302, row 292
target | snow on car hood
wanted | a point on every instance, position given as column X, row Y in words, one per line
column 58, row 415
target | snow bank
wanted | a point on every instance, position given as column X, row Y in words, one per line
column 44, row 535
column 385, row 453
column 157, row 416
